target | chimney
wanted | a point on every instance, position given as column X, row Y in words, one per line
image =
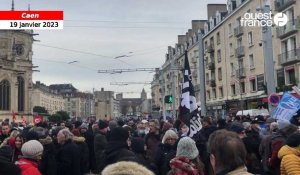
column 102, row 89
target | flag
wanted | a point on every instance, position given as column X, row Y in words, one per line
column 188, row 109
column 287, row 107
column 13, row 116
column 23, row 120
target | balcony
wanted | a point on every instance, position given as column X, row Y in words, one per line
column 289, row 57
column 282, row 4
column 240, row 73
column 210, row 48
column 240, row 52
column 238, row 31
column 212, row 83
column 288, row 29
column 211, row 66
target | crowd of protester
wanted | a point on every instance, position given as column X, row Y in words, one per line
column 235, row 146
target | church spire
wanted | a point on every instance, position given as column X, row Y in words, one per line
column 28, row 7
column 12, row 5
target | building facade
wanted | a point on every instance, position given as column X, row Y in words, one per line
column 43, row 96
column 15, row 72
column 104, row 104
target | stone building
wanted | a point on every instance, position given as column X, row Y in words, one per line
column 15, row 72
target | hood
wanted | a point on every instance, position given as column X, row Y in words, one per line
column 46, row 140
column 183, row 165
column 78, row 139
column 286, row 150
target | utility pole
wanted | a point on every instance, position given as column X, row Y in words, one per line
column 162, row 82
column 268, row 56
column 173, row 88
column 201, row 74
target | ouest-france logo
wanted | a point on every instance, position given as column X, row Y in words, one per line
column 263, row 19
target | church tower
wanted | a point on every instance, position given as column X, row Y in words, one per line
column 15, row 72
column 143, row 95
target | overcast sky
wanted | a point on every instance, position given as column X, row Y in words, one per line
column 141, row 29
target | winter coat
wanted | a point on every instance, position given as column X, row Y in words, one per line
column 160, row 158
column 84, row 154
column 68, row 159
column 116, row 151
column 89, row 139
column 182, row 166
column 7, row 167
column 100, row 142
column 28, row 167
column 253, row 158
column 137, row 147
column 151, row 141
column 48, row 164
column 290, row 160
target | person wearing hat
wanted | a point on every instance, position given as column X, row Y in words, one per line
column 290, row 155
column 32, row 153
column 187, row 159
column 100, row 141
column 117, row 148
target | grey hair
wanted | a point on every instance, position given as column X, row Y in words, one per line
column 67, row 133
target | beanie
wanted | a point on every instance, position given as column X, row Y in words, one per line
column 6, row 152
column 84, row 126
column 169, row 134
column 126, row 168
column 187, row 148
column 119, row 134
column 102, row 124
column 31, row 149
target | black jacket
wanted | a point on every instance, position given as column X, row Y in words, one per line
column 68, row 159
column 7, row 167
column 115, row 152
column 48, row 164
column 84, row 154
column 161, row 156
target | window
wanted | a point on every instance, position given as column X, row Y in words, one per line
column 220, row 73
column 208, row 94
column 233, row 89
column 21, row 91
column 251, row 61
column 214, row 93
column 290, row 77
column 231, row 49
column 250, row 39
column 207, row 78
column 205, row 45
column 219, row 55
column 232, row 69
column 4, row 95
column 221, row 92
column 243, row 88
column 229, row 29
column 218, row 38
column 253, row 85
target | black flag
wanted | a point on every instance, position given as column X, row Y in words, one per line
column 188, row 109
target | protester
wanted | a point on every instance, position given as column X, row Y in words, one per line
column 164, row 148
column 227, row 153
column 68, row 156
column 32, row 153
column 126, row 168
column 187, row 160
column 5, row 131
column 100, row 142
column 152, row 139
column 6, row 165
column 16, row 147
column 117, row 148
column 290, row 156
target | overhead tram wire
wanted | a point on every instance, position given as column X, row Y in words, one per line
column 83, row 52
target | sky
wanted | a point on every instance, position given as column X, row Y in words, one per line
column 103, row 30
